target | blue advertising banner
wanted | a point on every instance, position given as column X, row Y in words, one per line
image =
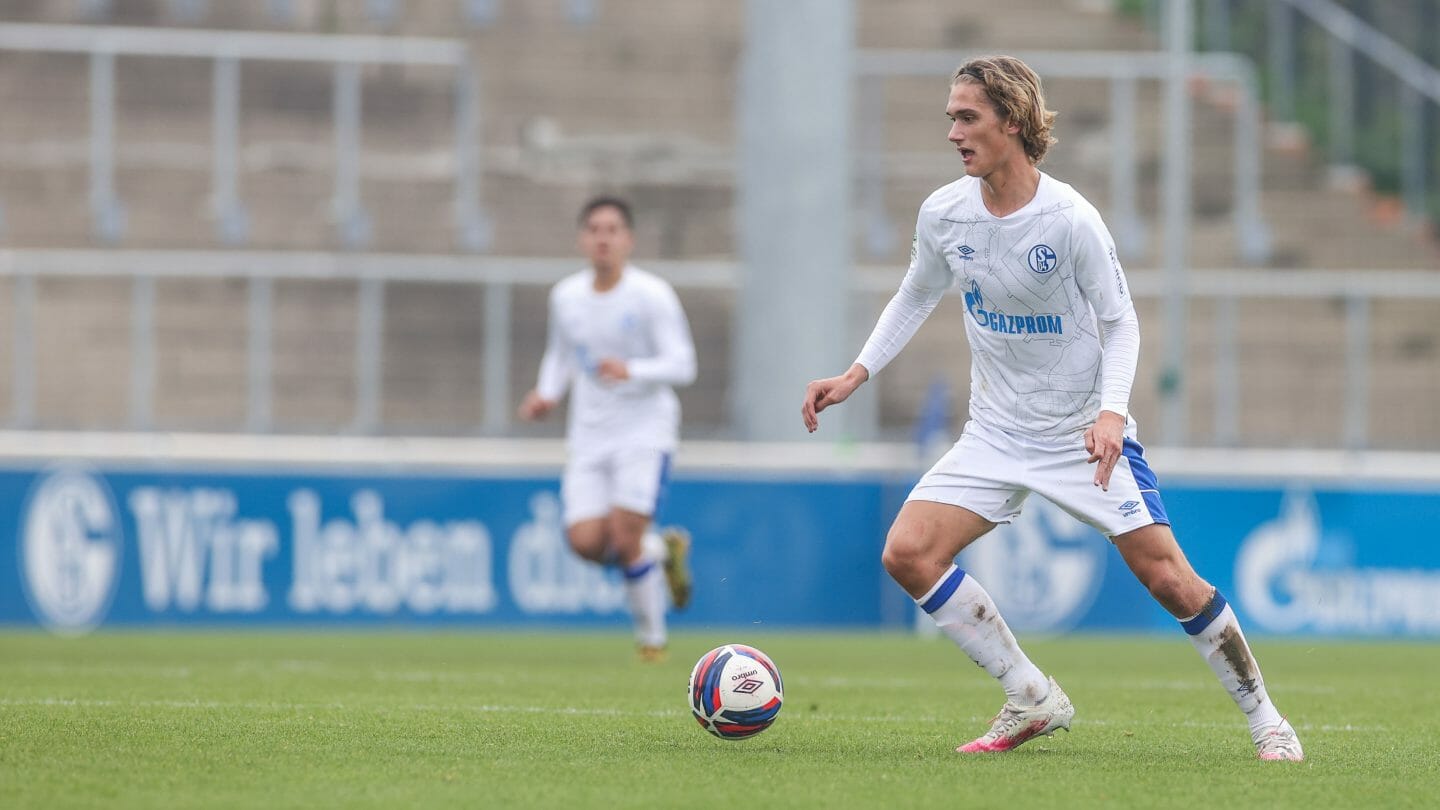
column 174, row 546
column 120, row 547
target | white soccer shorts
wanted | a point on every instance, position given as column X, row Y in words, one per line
column 634, row 479
column 991, row 472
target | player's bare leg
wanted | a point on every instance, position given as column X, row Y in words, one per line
column 920, row 554
column 618, row 539
column 644, row 580
column 1157, row 561
column 590, row 539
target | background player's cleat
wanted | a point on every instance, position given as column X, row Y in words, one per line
column 652, row 654
column 1280, row 743
column 677, row 565
column 1016, row 724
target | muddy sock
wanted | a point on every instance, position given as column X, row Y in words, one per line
column 1215, row 632
column 967, row 615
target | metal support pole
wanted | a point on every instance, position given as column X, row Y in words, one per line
column 879, row 235
column 1227, row 373
column 1176, row 246
column 259, row 340
column 1130, row 234
column 231, row 225
column 369, row 345
column 481, row 12
column 583, row 12
column 142, row 352
column 22, row 371
column 1357, row 372
column 382, row 11
column 187, row 11
column 1217, row 25
column 95, row 9
column 106, row 215
column 1412, row 154
column 352, row 224
column 496, row 374
column 794, row 194
column 1342, row 103
column 474, row 229
column 280, row 11
column 1280, row 33
column 1250, row 228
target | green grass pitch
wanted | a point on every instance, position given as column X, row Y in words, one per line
column 484, row 719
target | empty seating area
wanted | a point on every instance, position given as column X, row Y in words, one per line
column 574, row 98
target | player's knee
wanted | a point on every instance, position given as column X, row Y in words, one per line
column 1169, row 588
column 589, row 545
column 904, row 551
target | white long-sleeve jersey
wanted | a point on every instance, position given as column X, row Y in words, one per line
column 1052, row 330
column 639, row 321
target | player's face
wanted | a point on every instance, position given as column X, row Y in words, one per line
column 605, row 239
column 984, row 141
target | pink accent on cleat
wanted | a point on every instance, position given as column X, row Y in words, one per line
column 1015, row 725
column 1280, row 744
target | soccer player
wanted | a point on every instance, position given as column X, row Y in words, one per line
column 1054, row 343
column 618, row 335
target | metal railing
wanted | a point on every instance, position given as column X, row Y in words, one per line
column 1346, row 37
column 501, row 276
column 226, row 50
column 1123, row 69
column 477, row 12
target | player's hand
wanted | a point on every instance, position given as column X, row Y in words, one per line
column 535, row 407
column 1104, row 440
column 612, row 370
column 821, row 394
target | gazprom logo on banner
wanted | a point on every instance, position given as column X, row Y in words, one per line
column 1291, row 576
column 1044, row 570
column 70, row 550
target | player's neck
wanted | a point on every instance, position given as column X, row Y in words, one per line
column 607, row 276
column 1009, row 188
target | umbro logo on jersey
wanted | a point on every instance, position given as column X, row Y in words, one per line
column 966, row 252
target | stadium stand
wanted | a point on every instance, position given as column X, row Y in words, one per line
column 639, row 100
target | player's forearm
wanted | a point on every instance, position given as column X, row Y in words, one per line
column 902, row 317
column 554, row 377
column 1120, row 344
column 673, row 368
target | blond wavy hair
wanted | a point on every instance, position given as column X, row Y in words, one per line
column 1015, row 91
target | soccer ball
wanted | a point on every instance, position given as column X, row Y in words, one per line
column 735, row 691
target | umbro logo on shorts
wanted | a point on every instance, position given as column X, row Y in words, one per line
column 1129, row 505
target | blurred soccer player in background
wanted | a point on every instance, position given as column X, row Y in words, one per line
column 618, row 339
column 1054, row 343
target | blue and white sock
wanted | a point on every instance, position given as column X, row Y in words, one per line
column 968, row 616
column 1216, row 634
column 646, row 592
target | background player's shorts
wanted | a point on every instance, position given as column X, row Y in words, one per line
column 990, row 472
column 634, row 479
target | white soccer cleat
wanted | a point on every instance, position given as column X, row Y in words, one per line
column 1016, row 724
column 1280, row 743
